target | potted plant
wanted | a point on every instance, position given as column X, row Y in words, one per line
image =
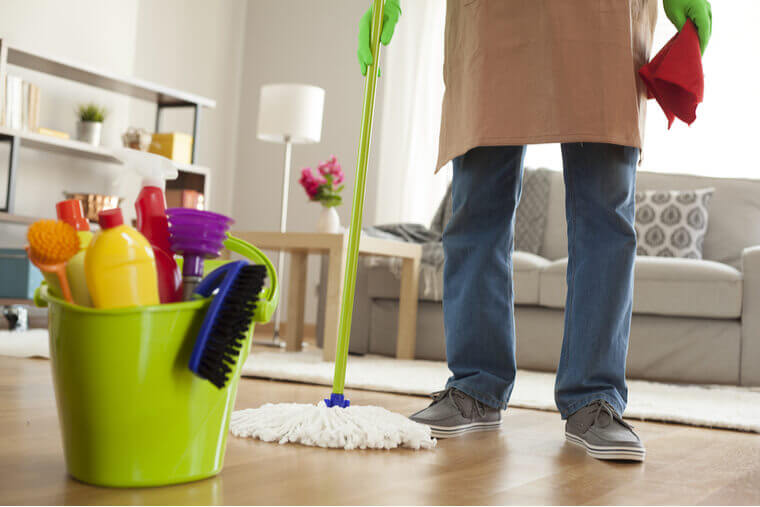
column 91, row 117
column 325, row 188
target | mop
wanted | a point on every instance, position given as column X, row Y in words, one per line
column 334, row 422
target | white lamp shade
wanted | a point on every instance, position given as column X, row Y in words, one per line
column 290, row 111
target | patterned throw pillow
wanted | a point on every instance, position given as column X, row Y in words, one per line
column 672, row 223
column 530, row 218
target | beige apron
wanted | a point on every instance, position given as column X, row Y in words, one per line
column 544, row 71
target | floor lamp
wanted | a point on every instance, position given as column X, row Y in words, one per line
column 288, row 114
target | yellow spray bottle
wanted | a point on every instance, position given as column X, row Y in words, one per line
column 119, row 265
column 70, row 211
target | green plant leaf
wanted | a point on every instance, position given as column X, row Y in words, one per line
column 91, row 112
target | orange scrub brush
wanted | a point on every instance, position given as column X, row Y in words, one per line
column 51, row 244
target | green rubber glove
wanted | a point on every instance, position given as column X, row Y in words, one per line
column 391, row 13
column 698, row 11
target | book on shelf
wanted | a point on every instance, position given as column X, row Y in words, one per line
column 33, row 108
column 12, row 102
column 20, row 104
column 52, row 133
column 24, row 104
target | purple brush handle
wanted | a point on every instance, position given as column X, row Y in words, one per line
column 196, row 235
column 192, row 266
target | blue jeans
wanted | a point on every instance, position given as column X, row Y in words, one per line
column 478, row 300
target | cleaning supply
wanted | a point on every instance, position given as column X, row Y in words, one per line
column 227, row 320
column 333, row 423
column 196, row 235
column 131, row 413
column 71, row 212
column 674, row 77
column 154, row 225
column 51, row 244
column 151, row 217
column 119, row 265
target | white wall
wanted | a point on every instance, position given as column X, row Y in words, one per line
column 196, row 45
column 98, row 33
column 300, row 41
column 191, row 45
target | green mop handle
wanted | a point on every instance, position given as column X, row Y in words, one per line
column 349, row 280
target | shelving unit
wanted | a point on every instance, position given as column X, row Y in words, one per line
column 57, row 145
column 160, row 95
column 17, row 219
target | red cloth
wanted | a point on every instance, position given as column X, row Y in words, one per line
column 674, row 77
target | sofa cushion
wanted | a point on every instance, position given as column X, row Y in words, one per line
column 665, row 286
column 530, row 217
column 527, row 266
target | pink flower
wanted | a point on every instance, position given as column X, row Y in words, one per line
column 332, row 167
column 310, row 183
column 316, row 183
column 339, row 176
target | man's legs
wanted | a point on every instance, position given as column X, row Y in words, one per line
column 477, row 278
column 600, row 182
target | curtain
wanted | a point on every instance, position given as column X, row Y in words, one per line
column 410, row 116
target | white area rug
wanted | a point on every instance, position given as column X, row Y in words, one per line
column 30, row 343
column 713, row 406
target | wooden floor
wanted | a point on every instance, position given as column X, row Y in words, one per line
column 527, row 462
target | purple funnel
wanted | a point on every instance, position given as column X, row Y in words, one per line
column 196, row 235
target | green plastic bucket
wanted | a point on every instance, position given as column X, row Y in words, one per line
column 131, row 412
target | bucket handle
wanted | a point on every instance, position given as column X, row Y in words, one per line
column 39, row 302
column 270, row 296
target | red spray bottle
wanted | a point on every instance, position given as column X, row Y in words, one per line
column 151, row 217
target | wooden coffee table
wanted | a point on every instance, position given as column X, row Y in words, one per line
column 300, row 244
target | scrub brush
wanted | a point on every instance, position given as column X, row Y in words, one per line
column 51, row 244
column 227, row 320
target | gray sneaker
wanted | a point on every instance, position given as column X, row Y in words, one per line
column 453, row 413
column 603, row 433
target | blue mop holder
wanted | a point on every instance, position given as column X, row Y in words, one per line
column 337, row 400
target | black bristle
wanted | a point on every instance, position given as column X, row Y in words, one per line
column 231, row 325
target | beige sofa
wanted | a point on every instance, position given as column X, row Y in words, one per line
column 694, row 320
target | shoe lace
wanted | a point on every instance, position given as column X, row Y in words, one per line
column 604, row 407
column 458, row 397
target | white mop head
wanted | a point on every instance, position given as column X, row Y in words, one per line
column 354, row 427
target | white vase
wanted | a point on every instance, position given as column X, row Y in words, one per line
column 89, row 132
column 329, row 221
